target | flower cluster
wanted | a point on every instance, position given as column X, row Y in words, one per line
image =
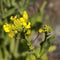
column 46, row 28
column 19, row 24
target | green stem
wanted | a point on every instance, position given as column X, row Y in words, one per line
column 2, row 7
column 42, row 7
column 16, row 46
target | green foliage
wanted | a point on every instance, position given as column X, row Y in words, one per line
column 31, row 57
column 21, row 47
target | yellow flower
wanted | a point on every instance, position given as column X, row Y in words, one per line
column 15, row 31
column 22, row 20
column 11, row 35
column 40, row 30
column 13, row 18
column 28, row 25
column 25, row 15
column 24, row 24
column 28, row 32
column 7, row 27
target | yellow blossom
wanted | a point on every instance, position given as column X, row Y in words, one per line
column 40, row 30
column 28, row 25
column 25, row 15
column 13, row 18
column 7, row 27
column 28, row 32
column 24, row 24
column 11, row 35
column 15, row 31
column 22, row 20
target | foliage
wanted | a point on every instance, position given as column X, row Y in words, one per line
column 18, row 40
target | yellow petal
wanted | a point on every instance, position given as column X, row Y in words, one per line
column 40, row 30
column 25, row 15
column 28, row 32
column 7, row 27
column 13, row 18
column 11, row 35
column 28, row 25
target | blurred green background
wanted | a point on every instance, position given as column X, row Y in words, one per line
column 16, row 7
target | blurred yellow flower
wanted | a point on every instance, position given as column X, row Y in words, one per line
column 25, row 15
column 7, row 27
column 41, row 30
column 24, row 24
column 28, row 32
column 18, row 23
column 22, row 19
column 11, row 35
column 28, row 25
column 15, row 31
column 13, row 18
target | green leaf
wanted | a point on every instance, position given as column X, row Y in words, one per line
column 13, row 2
column 46, row 45
column 12, row 46
column 42, row 7
column 31, row 57
column 1, row 55
column 7, row 2
column 6, row 53
column 6, row 40
column 36, row 18
column 10, row 12
column 37, row 51
column 44, row 56
column 52, row 48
